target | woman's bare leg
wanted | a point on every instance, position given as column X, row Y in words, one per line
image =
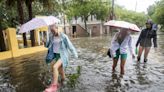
column 56, row 66
column 114, row 64
column 140, row 52
column 147, row 49
column 61, row 71
column 122, row 66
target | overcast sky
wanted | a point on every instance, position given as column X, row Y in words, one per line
column 142, row 5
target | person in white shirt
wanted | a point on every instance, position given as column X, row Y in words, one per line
column 119, row 46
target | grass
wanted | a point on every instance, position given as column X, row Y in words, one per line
column 73, row 78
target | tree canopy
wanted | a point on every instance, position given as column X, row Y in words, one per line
column 156, row 12
column 130, row 16
column 78, row 8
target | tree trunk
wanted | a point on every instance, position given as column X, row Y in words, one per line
column 64, row 25
column 64, row 15
column 85, row 22
column 101, row 28
column 2, row 42
column 32, row 36
column 21, row 19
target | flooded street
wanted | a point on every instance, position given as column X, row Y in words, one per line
column 92, row 72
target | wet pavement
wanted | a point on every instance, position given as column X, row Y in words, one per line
column 91, row 72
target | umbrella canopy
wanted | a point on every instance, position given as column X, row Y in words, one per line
column 123, row 24
column 37, row 23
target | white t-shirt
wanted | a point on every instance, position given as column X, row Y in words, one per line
column 56, row 45
column 127, row 43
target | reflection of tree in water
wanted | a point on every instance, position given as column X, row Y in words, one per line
column 25, row 74
column 5, row 78
column 141, row 71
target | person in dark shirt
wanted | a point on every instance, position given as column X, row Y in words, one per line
column 145, row 40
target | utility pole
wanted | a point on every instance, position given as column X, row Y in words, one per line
column 112, row 9
column 112, row 15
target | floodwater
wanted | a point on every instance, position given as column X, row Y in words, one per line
column 91, row 72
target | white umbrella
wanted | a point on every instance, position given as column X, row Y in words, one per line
column 123, row 24
column 38, row 22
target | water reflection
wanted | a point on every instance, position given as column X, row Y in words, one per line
column 141, row 72
column 114, row 84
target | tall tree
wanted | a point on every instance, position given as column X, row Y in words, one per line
column 30, row 16
column 20, row 15
column 63, row 10
column 86, row 8
column 158, row 15
column 130, row 16
column 151, row 10
column 7, row 19
column 46, row 3
column 2, row 42
column 21, row 19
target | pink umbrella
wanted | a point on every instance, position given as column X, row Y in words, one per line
column 37, row 23
column 122, row 24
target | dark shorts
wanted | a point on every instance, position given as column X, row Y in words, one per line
column 55, row 59
column 146, row 43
